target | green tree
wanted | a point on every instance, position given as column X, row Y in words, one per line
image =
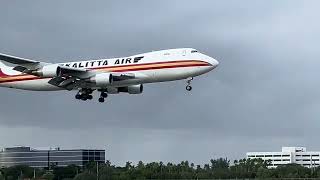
column 48, row 176
column 316, row 172
column 247, row 168
column 293, row 171
column 106, row 171
column 16, row 172
column 85, row 176
column 264, row 173
column 220, row 168
column 65, row 172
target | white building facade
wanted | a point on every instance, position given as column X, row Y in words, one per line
column 288, row 155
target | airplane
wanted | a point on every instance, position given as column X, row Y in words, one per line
column 108, row 76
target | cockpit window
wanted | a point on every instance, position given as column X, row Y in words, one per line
column 194, row 51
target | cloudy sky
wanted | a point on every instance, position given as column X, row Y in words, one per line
column 265, row 94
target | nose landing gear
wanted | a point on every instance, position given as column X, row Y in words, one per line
column 189, row 87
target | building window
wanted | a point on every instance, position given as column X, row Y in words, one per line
column 276, row 155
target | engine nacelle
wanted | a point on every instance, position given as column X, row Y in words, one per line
column 48, row 71
column 102, row 79
column 113, row 90
column 135, row 89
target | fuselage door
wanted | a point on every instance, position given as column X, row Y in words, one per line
column 184, row 52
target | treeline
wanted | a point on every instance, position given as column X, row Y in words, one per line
column 215, row 169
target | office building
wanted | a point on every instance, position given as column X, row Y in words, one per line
column 49, row 157
column 297, row 155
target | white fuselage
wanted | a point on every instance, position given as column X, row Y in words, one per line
column 157, row 66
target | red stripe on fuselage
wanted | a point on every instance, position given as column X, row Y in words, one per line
column 131, row 67
column 154, row 63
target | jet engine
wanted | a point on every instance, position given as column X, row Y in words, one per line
column 113, row 90
column 135, row 89
column 102, row 79
column 132, row 89
column 47, row 71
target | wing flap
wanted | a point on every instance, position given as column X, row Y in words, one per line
column 74, row 72
column 23, row 65
column 122, row 77
column 65, row 83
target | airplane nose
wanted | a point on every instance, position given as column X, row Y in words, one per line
column 214, row 63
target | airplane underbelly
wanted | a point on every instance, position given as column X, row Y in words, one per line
column 161, row 75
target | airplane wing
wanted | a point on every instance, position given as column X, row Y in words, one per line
column 74, row 72
column 67, row 77
column 22, row 63
column 17, row 60
column 70, row 78
column 121, row 77
column 68, row 83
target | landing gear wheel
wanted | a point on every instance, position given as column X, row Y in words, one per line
column 90, row 97
column 78, row 96
column 104, row 95
column 188, row 88
column 101, row 99
column 84, row 94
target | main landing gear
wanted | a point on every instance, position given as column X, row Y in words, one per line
column 84, row 94
column 189, row 87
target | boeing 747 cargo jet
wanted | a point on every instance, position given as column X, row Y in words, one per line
column 108, row 76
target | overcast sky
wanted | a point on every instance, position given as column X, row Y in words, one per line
column 265, row 93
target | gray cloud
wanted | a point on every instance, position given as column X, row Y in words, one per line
column 263, row 95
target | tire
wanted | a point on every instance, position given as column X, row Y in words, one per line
column 78, row 96
column 188, row 88
column 104, row 95
column 101, row 100
column 84, row 97
column 90, row 97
